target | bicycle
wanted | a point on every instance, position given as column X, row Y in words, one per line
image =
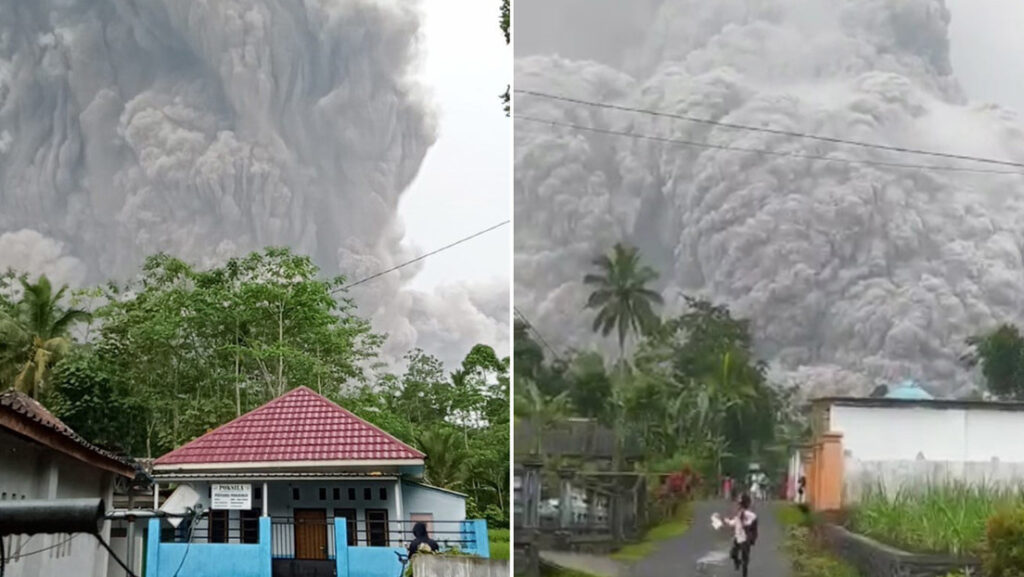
column 403, row 559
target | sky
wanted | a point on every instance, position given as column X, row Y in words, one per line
column 465, row 183
column 987, row 48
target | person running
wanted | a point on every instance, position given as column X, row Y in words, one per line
column 422, row 541
column 744, row 525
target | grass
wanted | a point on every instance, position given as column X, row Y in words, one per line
column 807, row 558
column 945, row 518
column 663, row 532
column 500, row 546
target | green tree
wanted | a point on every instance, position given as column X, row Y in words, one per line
column 539, row 410
column 447, row 457
column 623, row 301
column 505, row 22
column 1001, row 356
column 34, row 335
column 200, row 347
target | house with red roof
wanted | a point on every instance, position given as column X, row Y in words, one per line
column 299, row 486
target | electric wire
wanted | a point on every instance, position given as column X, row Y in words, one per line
column 733, row 126
column 692, row 143
column 44, row 549
column 114, row 556
column 532, row 328
column 422, row 256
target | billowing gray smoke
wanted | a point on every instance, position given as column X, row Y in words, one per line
column 208, row 129
column 844, row 269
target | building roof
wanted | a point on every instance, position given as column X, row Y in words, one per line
column 897, row 403
column 299, row 428
column 908, row 390
column 27, row 417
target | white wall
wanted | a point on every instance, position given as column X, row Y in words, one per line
column 962, row 435
column 445, row 506
column 903, row 447
column 31, row 471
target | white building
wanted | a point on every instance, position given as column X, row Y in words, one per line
column 907, row 439
column 41, row 458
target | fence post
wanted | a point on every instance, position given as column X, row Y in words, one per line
column 266, row 553
column 483, row 545
column 341, row 547
column 153, row 548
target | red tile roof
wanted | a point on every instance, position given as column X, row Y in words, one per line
column 297, row 426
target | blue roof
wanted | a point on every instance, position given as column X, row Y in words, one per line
column 908, row 390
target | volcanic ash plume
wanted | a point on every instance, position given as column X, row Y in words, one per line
column 851, row 268
column 209, row 129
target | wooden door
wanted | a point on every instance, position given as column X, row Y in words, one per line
column 377, row 527
column 310, row 534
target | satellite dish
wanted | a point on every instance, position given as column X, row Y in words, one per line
column 180, row 502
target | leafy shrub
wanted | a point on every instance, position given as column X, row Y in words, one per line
column 1003, row 554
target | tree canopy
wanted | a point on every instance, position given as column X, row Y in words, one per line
column 178, row 351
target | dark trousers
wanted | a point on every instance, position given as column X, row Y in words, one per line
column 740, row 555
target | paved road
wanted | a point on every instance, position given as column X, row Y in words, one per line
column 679, row 557
column 595, row 565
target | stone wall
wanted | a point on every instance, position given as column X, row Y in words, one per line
column 444, row 566
column 875, row 559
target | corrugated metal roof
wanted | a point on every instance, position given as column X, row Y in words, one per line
column 32, row 410
column 297, row 426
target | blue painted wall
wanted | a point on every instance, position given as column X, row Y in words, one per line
column 208, row 559
column 443, row 505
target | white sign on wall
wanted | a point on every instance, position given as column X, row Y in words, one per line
column 234, row 497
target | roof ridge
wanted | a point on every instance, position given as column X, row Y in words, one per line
column 300, row 434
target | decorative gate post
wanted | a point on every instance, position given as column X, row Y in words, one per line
column 565, row 512
column 531, row 492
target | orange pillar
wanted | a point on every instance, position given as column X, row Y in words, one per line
column 811, row 472
column 830, row 497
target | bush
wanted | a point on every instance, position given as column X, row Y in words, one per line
column 1003, row 554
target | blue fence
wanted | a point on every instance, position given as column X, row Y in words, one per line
column 254, row 560
column 208, row 559
column 384, row 561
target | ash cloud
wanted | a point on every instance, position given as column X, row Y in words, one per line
column 844, row 269
column 209, row 129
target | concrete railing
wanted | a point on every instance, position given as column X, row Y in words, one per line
column 442, row 566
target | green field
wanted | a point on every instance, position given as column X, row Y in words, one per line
column 500, row 545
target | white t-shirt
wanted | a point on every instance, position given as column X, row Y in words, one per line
column 740, row 525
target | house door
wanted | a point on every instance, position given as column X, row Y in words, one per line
column 310, row 534
column 377, row 527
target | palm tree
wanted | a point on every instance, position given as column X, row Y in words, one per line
column 539, row 410
column 446, row 466
column 34, row 335
column 621, row 295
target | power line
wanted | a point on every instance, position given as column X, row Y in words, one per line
column 666, row 140
column 114, row 556
column 540, row 337
column 42, row 550
column 733, row 126
column 421, row 257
